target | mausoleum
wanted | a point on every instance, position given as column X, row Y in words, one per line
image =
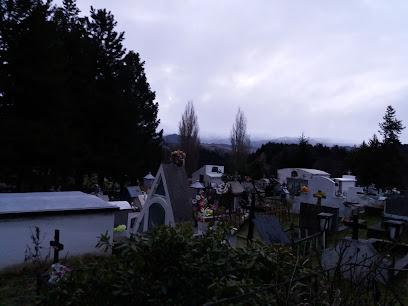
column 80, row 218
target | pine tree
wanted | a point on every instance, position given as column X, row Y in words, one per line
column 71, row 100
column 391, row 128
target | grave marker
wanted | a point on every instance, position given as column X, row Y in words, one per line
column 56, row 245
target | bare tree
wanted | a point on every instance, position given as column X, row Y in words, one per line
column 189, row 140
column 240, row 142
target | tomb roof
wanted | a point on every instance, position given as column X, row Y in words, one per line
column 50, row 201
column 314, row 171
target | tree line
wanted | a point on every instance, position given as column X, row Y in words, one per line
column 73, row 100
column 380, row 162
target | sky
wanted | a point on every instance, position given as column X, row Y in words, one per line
column 327, row 69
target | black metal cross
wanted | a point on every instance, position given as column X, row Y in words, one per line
column 56, row 245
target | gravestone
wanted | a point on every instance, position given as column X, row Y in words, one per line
column 308, row 217
column 396, row 208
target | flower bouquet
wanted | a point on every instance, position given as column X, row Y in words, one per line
column 178, row 157
column 58, row 272
column 222, row 188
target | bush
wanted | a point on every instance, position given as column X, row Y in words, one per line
column 170, row 266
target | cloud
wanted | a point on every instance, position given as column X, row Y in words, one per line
column 325, row 68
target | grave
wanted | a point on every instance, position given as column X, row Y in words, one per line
column 122, row 215
column 356, row 258
column 80, row 218
column 309, row 219
column 266, row 228
column 168, row 201
column 394, row 219
column 362, row 259
column 396, row 208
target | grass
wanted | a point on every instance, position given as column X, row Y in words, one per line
column 18, row 284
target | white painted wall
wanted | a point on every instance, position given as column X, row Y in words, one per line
column 78, row 233
column 355, row 195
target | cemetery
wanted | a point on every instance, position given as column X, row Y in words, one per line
column 304, row 209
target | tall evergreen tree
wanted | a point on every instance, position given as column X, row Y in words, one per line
column 391, row 127
column 70, row 99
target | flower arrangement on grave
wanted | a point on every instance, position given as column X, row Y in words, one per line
column 202, row 207
column 304, row 189
column 58, row 272
column 119, row 228
column 222, row 188
column 320, row 194
column 178, row 157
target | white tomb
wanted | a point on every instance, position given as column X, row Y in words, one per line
column 81, row 218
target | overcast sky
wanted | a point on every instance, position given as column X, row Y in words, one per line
column 322, row 68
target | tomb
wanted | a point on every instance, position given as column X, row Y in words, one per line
column 266, row 228
column 80, row 218
column 168, row 200
column 209, row 175
column 317, row 182
column 134, row 196
column 309, row 218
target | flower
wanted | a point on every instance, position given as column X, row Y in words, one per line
column 320, row 194
column 304, row 189
column 222, row 188
column 58, row 272
column 119, row 228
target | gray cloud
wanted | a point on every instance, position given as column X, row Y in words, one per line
column 325, row 68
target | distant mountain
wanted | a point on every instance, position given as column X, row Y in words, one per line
column 172, row 139
column 224, row 143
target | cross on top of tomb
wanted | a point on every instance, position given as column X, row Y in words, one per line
column 319, row 195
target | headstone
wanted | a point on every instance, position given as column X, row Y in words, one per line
column 308, row 218
column 397, row 206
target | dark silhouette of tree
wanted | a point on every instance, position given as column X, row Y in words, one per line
column 381, row 163
column 240, row 142
column 304, row 157
column 391, row 127
column 189, row 140
column 72, row 100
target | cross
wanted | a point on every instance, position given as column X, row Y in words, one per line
column 349, row 172
column 319, row 195
column 56, row 245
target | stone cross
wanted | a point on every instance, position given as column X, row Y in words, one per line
column 56, row 245
column 319, row 195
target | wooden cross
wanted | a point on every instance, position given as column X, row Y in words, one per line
column 56, row 245
column 319, row 195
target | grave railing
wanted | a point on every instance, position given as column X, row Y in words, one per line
column 306, row 244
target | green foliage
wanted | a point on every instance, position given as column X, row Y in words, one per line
column 72, row 99
column 273, row 156
column 169, row 266
column 382, row 163
column 391, row 127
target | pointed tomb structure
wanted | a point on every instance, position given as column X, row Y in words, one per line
column 168, row 201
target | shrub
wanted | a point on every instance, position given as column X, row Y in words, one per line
column 170, row 266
